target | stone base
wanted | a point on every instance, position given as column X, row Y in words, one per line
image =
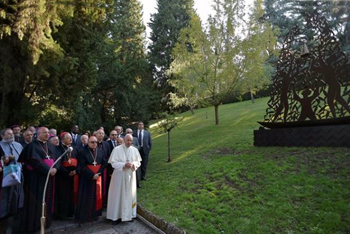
column 315, row 136
column 158, row 222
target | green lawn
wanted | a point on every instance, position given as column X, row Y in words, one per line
column 218, row 182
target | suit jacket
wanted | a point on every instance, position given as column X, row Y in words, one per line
column 80, row 147
column 111, row 144
column 135, row 143
column 77, row 142
column 147, row 141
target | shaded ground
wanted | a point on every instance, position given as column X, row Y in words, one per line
column 101, row 226
column 107, row 227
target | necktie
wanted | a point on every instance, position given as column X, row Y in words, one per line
column 11, row 151
column 139, row 138
column 113, row 143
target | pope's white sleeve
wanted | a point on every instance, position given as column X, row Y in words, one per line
column 137, row 164
column 118, row 165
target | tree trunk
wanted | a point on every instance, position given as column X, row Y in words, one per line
column 216, row 114
column 169, row 158
column 191, row 109
column 252, row 96
column 4, row 111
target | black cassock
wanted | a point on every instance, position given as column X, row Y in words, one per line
column 89, row 205
column 1, row 174
column 66, row 191
column 35, row 170
column 107, row 173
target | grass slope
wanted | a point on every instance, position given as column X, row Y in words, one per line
column 218, row 182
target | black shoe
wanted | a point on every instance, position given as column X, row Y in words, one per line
column 143, row 179
column 118, row 221
column 139, row 186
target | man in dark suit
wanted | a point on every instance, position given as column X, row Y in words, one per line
column 75, row 136
column 145, row 143
column 83, row 142
column 119, row 130
column 135, row 141
column 113, row 139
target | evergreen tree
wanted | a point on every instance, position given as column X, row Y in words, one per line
column 42, row 55
column 166, row 24
column 123, row 72
column 284, row 14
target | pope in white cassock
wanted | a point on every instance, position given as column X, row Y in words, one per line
column 122, row 203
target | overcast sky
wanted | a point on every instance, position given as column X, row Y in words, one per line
column 203, row 8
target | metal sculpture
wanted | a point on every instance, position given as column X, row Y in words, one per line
column 312, row 85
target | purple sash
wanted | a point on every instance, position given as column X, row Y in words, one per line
column 48, row 162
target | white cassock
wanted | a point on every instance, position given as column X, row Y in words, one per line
column 122, row 202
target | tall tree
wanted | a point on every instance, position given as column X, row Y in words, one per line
column 187, row 53
column 123, row 73
column 37, row 70
column 257, row 48
column 25, row 34
column 166, row 24
column 217, row 63
column 285, row 14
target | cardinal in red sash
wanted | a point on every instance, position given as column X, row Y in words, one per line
column 91, row 166
column 67, row 179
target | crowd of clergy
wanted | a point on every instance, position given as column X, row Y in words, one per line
column 101, row 172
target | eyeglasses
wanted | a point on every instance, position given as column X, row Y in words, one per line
column 114, row 134
column 93, row 142
column 128, row 132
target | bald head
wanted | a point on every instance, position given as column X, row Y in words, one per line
column 99, row 134
column 128, row 131
column 32, row 128
column 84, row 139
column 43, row 134
column 119, row 129
column 67, row 139
column 113, row 135
column 92, row 142
column 120, row 141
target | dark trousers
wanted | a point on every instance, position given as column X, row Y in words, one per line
column 144, row 163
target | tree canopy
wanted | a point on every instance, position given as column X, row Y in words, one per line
column 86, row 61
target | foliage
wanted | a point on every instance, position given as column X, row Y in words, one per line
column 123, row 78
column 257, row 48
column 218, row 182
column 168, row 123
column 35, row 62
column 83, row 57
column 284, row 14
column 216, row 63
column 166, row 24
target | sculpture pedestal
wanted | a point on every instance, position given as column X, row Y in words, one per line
column 315, row 136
